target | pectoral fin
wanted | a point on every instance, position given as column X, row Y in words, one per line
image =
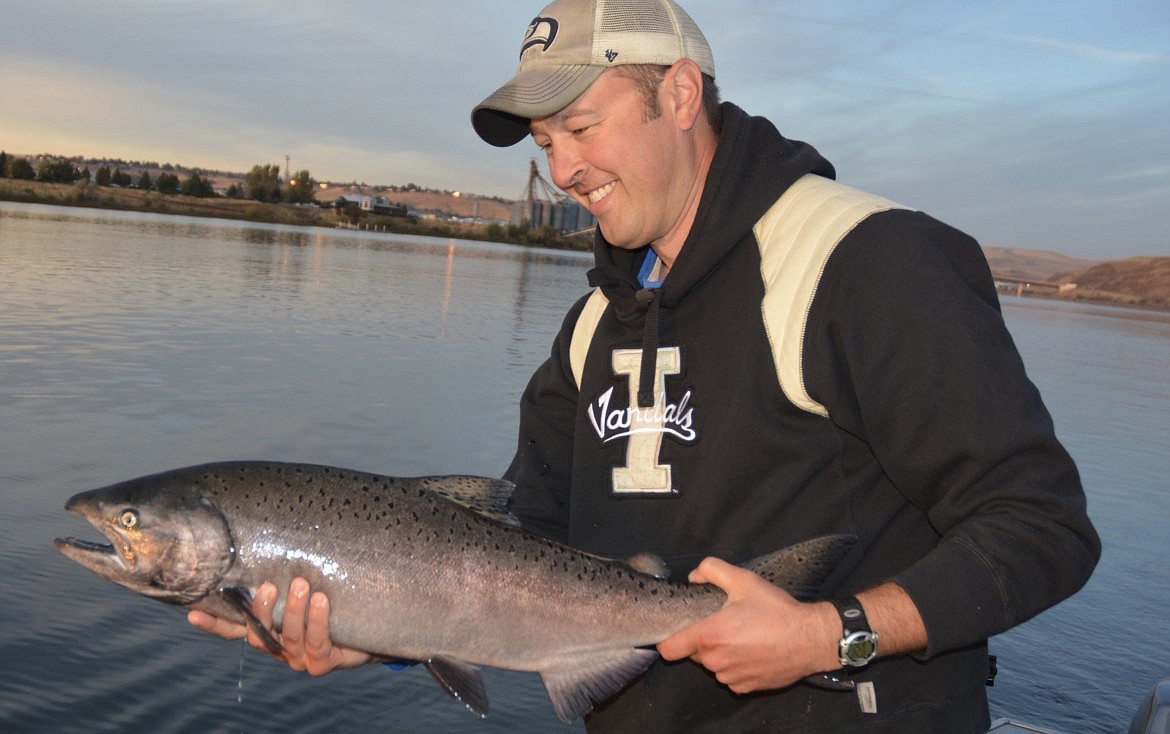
column 462, row 681
column 241, row 599
column 575, row 690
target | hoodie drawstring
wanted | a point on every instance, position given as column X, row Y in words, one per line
column 648, row 297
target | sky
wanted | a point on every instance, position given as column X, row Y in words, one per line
column 1041, row 125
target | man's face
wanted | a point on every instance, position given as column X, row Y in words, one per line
column 604, row 152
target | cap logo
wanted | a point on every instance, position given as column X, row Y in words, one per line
column 610, row 55
column 541, row 32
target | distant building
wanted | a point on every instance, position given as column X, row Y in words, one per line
column 541, row 205
column 374, row 204
column 565, row 215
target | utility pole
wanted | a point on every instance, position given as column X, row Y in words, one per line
column 287, row 175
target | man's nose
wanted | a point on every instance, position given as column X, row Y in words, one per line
column 566, row 166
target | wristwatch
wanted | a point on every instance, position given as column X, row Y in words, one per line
column 858, row 645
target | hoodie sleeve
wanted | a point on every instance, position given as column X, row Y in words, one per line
column 543, row 464
column 907, row 348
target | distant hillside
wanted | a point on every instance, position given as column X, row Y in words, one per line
column 1032, row 264
column 1138, row 281
column 427, row 201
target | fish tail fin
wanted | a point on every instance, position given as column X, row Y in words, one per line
column 575, row 690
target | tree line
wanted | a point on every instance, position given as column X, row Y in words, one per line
column 262, row 183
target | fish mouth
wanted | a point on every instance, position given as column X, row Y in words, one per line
column 101, row 558
column 85, row 545
column 90, row 554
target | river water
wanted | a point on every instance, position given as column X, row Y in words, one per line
column 132, row 343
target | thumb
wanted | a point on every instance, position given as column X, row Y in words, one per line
column 718, row 572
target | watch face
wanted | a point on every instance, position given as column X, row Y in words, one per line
column 862, row 649
column 858, row 648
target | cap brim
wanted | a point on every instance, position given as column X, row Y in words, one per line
column 503, row 118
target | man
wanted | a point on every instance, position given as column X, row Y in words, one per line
column 769, row 356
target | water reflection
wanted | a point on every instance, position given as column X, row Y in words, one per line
column 132, row 343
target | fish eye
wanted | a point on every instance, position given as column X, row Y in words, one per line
column 129, row 519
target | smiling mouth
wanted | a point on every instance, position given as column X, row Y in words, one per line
column 598, row 194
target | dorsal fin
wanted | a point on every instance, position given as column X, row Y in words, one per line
column 482, row 495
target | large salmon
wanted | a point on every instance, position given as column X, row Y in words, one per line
column 433, row 569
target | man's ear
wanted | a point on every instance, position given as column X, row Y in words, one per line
column 684, row 87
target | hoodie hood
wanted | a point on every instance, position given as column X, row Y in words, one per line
column 753, row 165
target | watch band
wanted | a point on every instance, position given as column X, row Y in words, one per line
column 858, row 644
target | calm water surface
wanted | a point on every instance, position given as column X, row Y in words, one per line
column 133, row 343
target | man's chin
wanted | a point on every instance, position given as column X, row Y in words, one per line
column 614, row 239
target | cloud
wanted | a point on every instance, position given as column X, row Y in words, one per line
column 1093, row 53
column 980, row 113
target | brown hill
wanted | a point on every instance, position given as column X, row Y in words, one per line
column 1138, row 281
column 1032, row 264
column 448, row 203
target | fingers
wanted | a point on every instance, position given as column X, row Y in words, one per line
column 305, row 641
column 316, row 640
column 690, row 642
column 304, row 633
column 680, row 645
column 216, row 625
column 292, row 623
column 746, row 644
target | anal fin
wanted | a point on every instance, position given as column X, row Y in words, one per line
column 574, row 691
column 462, row 681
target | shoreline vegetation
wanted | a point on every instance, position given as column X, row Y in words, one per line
column 435, row 223
column 1142, row 282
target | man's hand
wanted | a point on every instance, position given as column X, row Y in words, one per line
column 307, row 646
column 762, row 638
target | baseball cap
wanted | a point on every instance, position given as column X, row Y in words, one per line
column 571, row 43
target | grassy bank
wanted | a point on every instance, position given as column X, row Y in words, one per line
column 1141, row 282
column 86, row 194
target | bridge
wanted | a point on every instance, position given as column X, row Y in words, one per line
column 1024, row 286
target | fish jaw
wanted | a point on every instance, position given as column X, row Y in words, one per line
column 170, row 544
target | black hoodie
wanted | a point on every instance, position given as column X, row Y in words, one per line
column 933, row 447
